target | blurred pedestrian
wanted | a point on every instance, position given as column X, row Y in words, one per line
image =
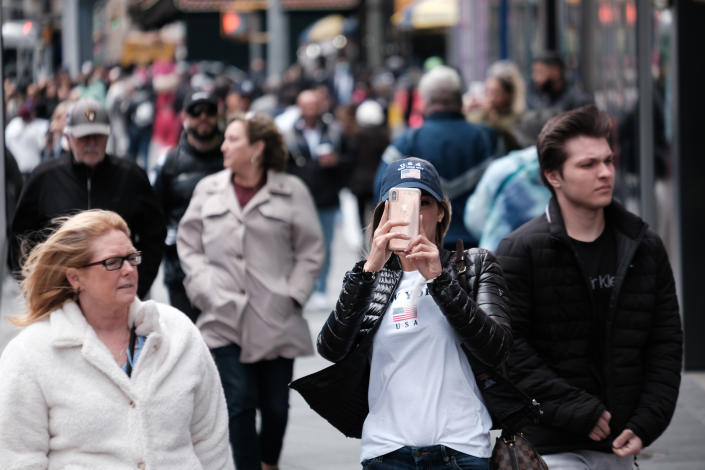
column 24, row 136
column 422, row 313
column 251, row 247
column 317, row 155
column 239, row 98
column 459, row 150
column 367, row 144
column 98, row 378
column 140, row 117
column 551, row 88
column 197, row 155
column 597, row 332
column 501, row 104
column 55, row 142
column 88, row 178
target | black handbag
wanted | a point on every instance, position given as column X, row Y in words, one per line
column 339, row 392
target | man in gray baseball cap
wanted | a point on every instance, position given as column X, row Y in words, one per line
column 87, row 129
column 85, row 177
column 87, row 117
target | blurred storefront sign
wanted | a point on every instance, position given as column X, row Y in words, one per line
column 249, row 5
column 427, row 14
column 142, row 49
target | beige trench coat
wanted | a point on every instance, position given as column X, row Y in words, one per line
column 250, row 270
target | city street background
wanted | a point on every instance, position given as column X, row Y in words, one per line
column 313, row 444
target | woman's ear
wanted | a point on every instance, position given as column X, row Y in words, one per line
column 73, row 278
column 259, row 147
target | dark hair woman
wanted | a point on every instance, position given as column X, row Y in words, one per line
column 251, row 246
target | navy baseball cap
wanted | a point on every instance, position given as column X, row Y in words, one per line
column 411, row 173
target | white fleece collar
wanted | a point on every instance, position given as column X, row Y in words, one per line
column 69, row 327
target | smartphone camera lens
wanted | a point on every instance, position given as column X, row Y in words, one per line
column 394, row 196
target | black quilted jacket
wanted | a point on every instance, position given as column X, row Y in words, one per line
column 553, row 357
column 482, row 322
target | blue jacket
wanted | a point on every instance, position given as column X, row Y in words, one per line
column 509, row 194
column 459, row 150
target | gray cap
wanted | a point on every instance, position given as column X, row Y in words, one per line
column 86, row 117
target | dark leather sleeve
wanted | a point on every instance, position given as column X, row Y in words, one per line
column 338, row 334
column 480, row 313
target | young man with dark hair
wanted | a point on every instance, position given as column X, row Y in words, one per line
column 597, row 333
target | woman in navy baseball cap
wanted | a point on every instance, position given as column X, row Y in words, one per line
column 405, row 317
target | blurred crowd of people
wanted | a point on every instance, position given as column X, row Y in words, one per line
column 341, row 126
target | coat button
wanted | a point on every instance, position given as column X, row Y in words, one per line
column 132, row 404
column 141, row 466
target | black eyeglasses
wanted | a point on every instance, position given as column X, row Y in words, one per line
column 198, row 109
column 115, row 263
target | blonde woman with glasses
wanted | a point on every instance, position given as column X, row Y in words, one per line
column 98, row 378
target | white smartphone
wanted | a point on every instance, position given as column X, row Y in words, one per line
column 404, row 205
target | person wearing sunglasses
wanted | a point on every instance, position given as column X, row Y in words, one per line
column 98, row 378
column 197, row 155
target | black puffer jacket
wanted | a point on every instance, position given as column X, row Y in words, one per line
column 183, row 168
column 481, row 322
column 552, row 318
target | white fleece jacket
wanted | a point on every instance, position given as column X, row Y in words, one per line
column 66, row 404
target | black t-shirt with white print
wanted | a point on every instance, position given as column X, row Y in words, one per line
column 599, row 261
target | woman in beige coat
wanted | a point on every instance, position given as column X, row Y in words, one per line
column 251, row 246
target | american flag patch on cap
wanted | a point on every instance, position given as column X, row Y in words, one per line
column 410, row 173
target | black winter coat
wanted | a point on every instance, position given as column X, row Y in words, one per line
column 62, row 187
column 481, row 320
column 183, row 168
column 552, row 310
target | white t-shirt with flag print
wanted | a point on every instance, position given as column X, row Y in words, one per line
column 422, row 390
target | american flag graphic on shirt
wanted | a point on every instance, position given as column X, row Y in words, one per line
column 403, row 314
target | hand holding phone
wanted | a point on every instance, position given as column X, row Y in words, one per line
column 404, row 206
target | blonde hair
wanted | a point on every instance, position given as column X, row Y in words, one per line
column 441, row 227
column 44, row 284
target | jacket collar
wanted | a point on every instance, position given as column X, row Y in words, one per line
column 69, row 327
column 277, row 184
column 85, row 169
column 616, row 217
column 444, row 115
